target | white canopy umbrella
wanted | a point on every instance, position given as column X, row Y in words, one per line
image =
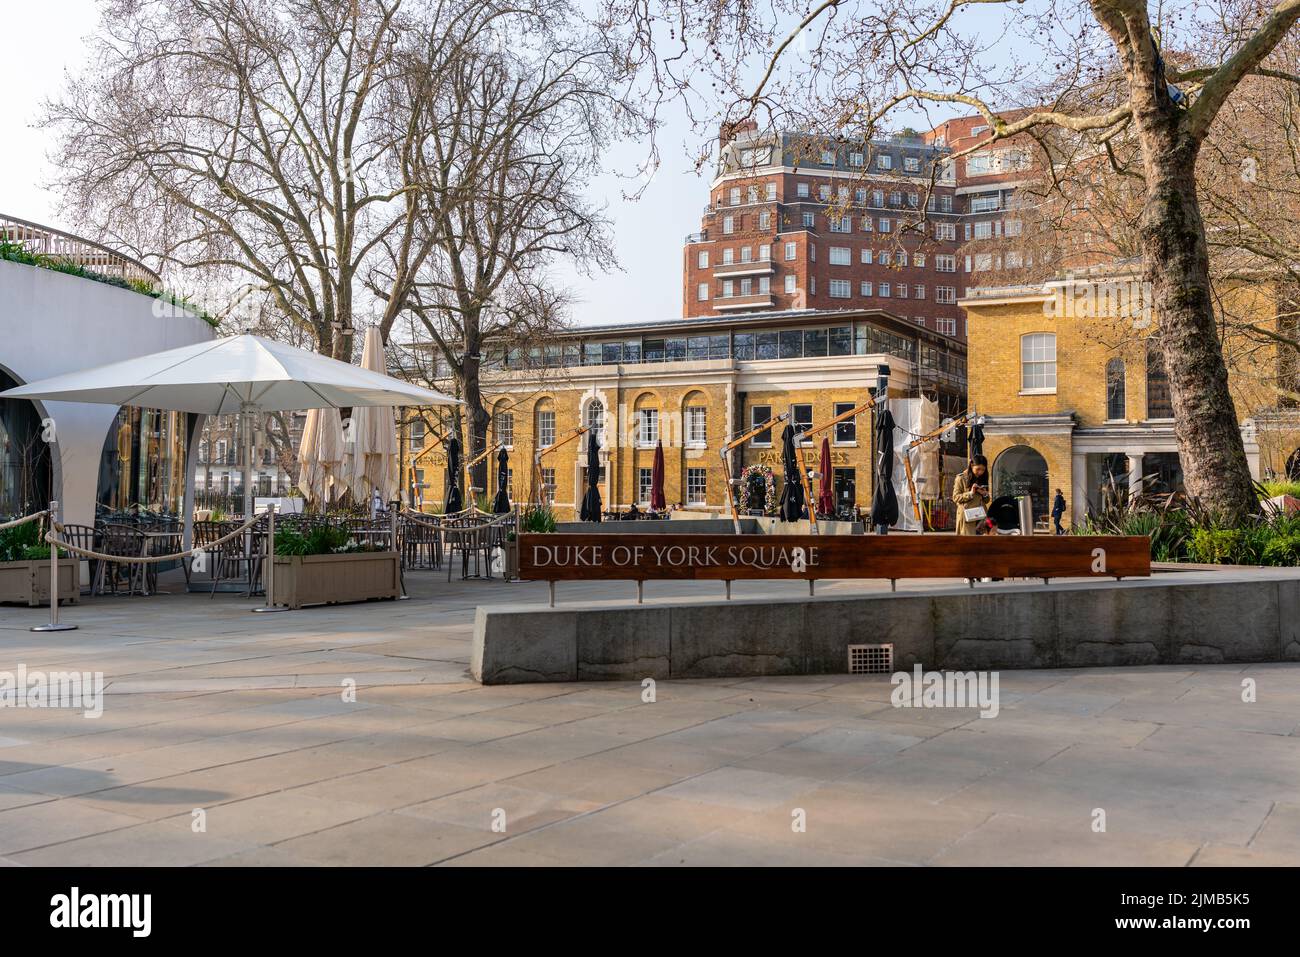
column 243, row 373
column 371, row 460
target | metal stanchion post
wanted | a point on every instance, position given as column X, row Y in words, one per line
column 268, row 575
column 54, row 623
column 392, row 531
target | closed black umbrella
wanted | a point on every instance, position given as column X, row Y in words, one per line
column 501, row 504
column 884, row 503
column 590, row 511
column 791, row 505
column 976, row 440
column 454, row 500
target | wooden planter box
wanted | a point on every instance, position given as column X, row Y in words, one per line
column 327, row 579
column 512, row 560
column 29, row 582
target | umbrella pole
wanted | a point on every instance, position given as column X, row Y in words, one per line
column 807, row 488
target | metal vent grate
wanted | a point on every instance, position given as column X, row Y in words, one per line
column 871, row 659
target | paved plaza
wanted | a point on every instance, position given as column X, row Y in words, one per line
column 226, row 739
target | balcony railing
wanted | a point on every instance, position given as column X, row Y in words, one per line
column 56, row 244
column 755, row 300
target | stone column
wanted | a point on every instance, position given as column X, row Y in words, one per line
column 1078, row 487
column 1135, row 472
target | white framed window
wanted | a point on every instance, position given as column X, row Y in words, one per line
column 758, row 414
column 918, row 291
column 900, row 291
column 728, row 225
column 764, row 220
column 828, row 157
column 918, row 259
column 911, row 164
column 901, row 258
column 945, row 263
column 1015, row 260
column 702, row 292
column 734, row 197
column 841, row 224
column 812, row 286
column 884, row 289
column 1038, row 362
column 746, row 254
column 983, row 230
column 728, row 288
column 855, row 159
column 809, row 220
column 751, row 194
column 548, row 480
column 866, row 256
column 728, row 256
column 841, row 256
column 1012, row 227
column 945, row 231
column 840, row 289
column 867, row 225
column 702, row 260
column 697, row 486
column 846, row 432
column 764, row 284
column 505, row 428
column 877, row 198
column 545, row 428
column 947, row 326
column 946, row 295
column 883, row 257
column 771, row 192
column 865, row 288
column 790, row 252
column 697, row 425
column 647, row 433
column 823, row 192
column 860, row 196
column 765, row 253
column 417, row 435
column 644, row 482
column 983, row 262
column 789, row 283
column 885, row 225
column 884, row 161
column 801, row 190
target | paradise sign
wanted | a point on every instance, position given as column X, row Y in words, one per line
column 647, row 557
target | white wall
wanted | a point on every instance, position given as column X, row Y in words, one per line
column 52, row 323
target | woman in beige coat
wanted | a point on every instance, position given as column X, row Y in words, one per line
column 971, row 490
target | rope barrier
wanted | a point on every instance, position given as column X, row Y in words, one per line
column 25, row 519
column 496, row 520
column 147, row 559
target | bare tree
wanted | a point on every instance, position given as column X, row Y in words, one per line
column 516, row 115
column 1092, row 70
column 244, row 141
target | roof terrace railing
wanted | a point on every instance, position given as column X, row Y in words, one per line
column 57, row 244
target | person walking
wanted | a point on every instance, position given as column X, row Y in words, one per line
column 970, row 493
column 1058, row 509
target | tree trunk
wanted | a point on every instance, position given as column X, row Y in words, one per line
column 477, row 418
column 1176, row 265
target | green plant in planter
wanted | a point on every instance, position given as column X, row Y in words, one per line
column 320, row 540
column 16, row 542
column 539, row 519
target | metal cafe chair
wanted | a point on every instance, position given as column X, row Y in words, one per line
column 469, row 536
column 126, row 543
column 84, row 536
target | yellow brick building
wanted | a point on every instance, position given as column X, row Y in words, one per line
column 1074, row 391
column 693, row 384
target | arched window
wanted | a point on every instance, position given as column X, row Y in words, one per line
column 1038, row 362
column 595, row 418
column 1021, row 470
column 1160, row 404
column 1115, row 389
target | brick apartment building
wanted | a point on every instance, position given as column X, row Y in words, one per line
column 800, row 222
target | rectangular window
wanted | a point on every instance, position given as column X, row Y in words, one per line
column 945, row 263
column 697, row 425
column 866, row 289
column 846, row 432
column 884, row 161
column 840, row 256
column 911, row 164
column 702, row 292
column 758, row 414
column 789, row 283
column 505, row 428
column 801, row 190
column 764, row 220
column 1012, row 227
column 855, row 159
column 791, row 344
column 901, row 258
column 945, row 231
column 809, row 220
column 1038, row 362
column 947, row 326
column 417, row 435
column 801, row 416
column 840, row 341
column 918, row 259
column 728, row 256
column 545, row 428
column 747, row 254
column 983, row 230
column 644, row 482
column 548, row 480
column 771, row 192
column 918, row 292
column 841, row 224
column 735, row 196
column 823, row 193
column 728, row 288
column 900, row 291
column 946, row 295
column 866, row 257
column 764, row 284
column 728, row 225
column 703, row 260
column 885, row 225
column 696, row 486
column 789, row 251
column 840, row 289
column 884, row 289
column 648, row 428
column 828, row 157
column 765, row 253
column 877, row 198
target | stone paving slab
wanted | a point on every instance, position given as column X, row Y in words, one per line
column 243, row 716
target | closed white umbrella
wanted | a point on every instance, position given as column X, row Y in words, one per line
column 321, row 455
column 371, row 458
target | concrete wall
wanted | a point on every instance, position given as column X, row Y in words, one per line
column 1173, row 619
column 52, row 323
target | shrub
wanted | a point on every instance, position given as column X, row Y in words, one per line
column 538, row 518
